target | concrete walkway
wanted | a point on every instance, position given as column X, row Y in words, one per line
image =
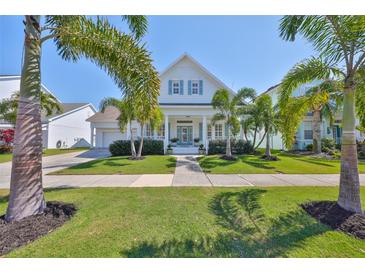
column 187, row 173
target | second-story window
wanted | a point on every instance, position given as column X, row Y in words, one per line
column 194, row 86
column 175, row 87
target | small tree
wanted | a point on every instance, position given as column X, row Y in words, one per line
column 228, row 107
column 9, row 106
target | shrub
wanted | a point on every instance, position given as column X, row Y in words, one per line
column 123, row 147
column 338, row 146
column 328, row 144
column 174, row 140
column 309, row 147
column 238, row 147
column 196, row 140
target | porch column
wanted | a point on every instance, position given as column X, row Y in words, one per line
column 92, row 136
column 166, row 141
column 241, row 130
column 205, row 129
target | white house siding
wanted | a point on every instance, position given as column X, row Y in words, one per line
column 71, row 129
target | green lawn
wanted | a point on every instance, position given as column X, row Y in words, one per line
column 192, row 222
column 48, row 152
column 6, row 157
column 289, row 164
column 153, row 164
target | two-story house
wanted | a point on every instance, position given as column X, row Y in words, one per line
column 185, row 98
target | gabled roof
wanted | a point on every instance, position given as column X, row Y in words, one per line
column 111, row 114
column 200, row 66
column 67, row 108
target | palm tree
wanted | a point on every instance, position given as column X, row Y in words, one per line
column 147, row 112
column 119, row 54
column 8, row 107
column 127, row 115
column 253, row 119
column 339, row 40
column 228, row 108
column 270, row 122
column 323, row 99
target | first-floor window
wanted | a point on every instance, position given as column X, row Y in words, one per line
column 308, row 134
column 148, row 131
column 219, row 131
column 209, row 132
column 161, row 131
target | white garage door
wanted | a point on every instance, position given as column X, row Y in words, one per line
column 110, row 137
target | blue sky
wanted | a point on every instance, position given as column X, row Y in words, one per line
column 242, row 51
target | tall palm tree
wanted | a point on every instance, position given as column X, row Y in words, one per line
column 323, row 99
column 119, row 54
column 339, row 40
column 127, row 115
column 228, row 108
column 9, row 106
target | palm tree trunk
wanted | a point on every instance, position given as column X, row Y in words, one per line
column 139, row 155
column 26, row 192
column 268, row 151
column 133, row 148
column 317, row 147
column 349, row 196
column 228, row 145
column 254, row 137
column 262, row 139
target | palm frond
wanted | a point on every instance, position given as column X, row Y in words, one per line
column 137, row 24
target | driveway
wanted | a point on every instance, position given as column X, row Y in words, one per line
column 56, row 162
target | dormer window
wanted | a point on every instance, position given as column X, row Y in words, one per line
column 175, row 87
column 195, row 87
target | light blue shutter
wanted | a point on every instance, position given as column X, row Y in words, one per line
column 201, row 87
column 181, row 87
column 170, row 87
column 201, row 131
column 226, row 130
column 189, row 87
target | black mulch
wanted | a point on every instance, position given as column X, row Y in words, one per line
column 19, row 233
column 331, row 214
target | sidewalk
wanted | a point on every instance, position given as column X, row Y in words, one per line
column 187, row 173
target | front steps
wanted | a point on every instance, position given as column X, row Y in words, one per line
column 185, row 150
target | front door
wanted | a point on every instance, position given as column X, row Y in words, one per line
column 184, row 134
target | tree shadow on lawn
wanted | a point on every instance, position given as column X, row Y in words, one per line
column 315, row 162
column 246, row 231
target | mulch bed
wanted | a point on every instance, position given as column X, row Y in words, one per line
column 228, row 158
column 19, row 233
column 331, row 214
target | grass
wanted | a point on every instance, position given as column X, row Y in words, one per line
column 47, row 152
column 287, row 163
column 153, row 164
column 6, row 157
column 192, row 222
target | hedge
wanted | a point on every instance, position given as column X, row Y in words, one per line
column 238, row 147
column 123, row 147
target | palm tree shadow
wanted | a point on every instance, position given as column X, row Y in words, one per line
column 246, row 231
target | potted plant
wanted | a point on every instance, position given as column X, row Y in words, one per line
column 169, row 149
column 196, row 141
column 201, row 149
column 174, row 141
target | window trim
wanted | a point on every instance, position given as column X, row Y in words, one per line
column 173, row 82
column 218, row 128
column 197, row 82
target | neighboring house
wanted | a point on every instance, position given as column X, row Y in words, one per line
column 185, row 98
column 60, row 130
column 304, row 135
